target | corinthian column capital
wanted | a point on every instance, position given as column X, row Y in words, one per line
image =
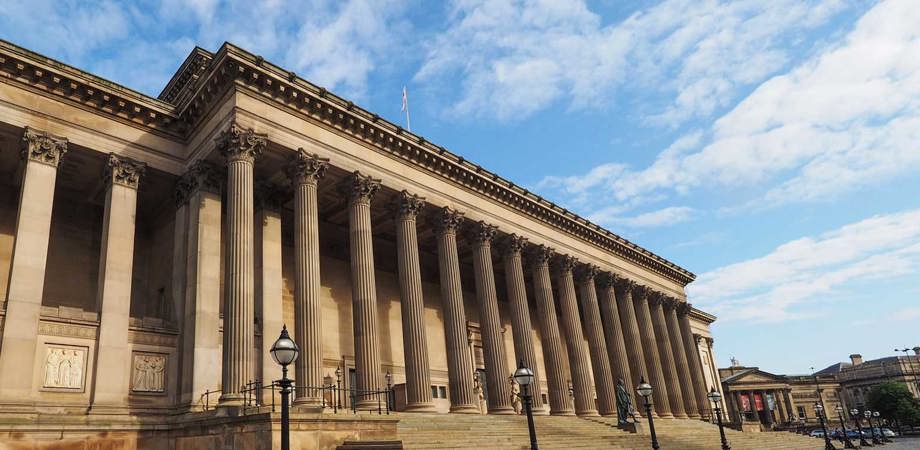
column 240, row 144
column 624, row 285
column 360, row 188
column 124, row 171
column 586, row 272
column 563, row 264
column 306, row 167
column 512, row 245
column 683, row 308
column 606, row 280
column 539, row 255
column 483, row 233
column 408, row 205
column 43, row 147
column 642, row 291
column 448, row 220
column 202, row 176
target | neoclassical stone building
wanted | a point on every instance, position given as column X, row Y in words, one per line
column 152, row 249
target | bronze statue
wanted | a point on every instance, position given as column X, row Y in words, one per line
column 624, row 403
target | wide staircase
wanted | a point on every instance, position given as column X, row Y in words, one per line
column 458, row 431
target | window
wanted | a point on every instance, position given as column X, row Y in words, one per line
column 438, row 391
column 802, row 414
column 545, row 400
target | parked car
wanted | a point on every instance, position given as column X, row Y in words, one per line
column 886, row 432
column 817, row 433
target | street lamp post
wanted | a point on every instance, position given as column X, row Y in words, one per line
column 819, row 411
column 716, row 398
column 843, row 426
column 390, row 402
column 285, row 351
column 645, row 390
column 878, row 421
column 524, row 377
column 868, row 415
column 862, row 441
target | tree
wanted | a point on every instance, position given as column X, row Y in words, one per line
column 895, row 402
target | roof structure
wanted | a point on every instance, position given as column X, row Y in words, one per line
column 204, row 77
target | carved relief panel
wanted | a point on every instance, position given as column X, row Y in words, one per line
column 148, row 373
column 65, row 367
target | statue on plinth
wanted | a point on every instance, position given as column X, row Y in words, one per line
column 624, row 404
column 515, row 395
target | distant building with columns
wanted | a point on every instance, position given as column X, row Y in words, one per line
column 757, row 397
column 152, row 249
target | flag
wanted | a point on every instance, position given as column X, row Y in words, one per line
column 405, row 107
column 405, row 100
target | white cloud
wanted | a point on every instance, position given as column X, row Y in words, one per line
column 516, row 57
column 845, row 118
column 671, row 215
column 335, row 44
column 790, row 280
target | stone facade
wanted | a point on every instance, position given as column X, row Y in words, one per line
column 154, row 248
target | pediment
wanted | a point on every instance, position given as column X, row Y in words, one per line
column 754, row 376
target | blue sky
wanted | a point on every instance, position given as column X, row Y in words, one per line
column 773, row 148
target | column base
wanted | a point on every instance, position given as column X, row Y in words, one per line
column 464, row 409
column 694, row 416
column 502, row 410
column 565, row 412
column 608, row 413
column 420, row 408
column 307, row 405
column 226, row 400
column 660, row 415
column 588, row 413
column 681, row 416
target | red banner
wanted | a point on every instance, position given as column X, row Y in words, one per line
column 758, row 402
column 745, row 402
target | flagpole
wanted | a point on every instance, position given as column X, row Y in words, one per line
column 405, row 107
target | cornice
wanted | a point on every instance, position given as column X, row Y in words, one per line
column 38, row 72
column 198, row 84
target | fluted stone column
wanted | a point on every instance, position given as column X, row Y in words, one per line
column 789, row 407
column 493, row 344
column 41, row 153
column 574, row 338
column 680, row 358
column 305, row 170
column 614, row 336
column 631, row 334
column 360, row 190
column 756, row 413
column 600, row 362
column 520, row 315
column 553, row 356
column 650, row 349
column 198, row 192
column 459, row 364
column 113, row 352
column 666, row 354
column 412, row 308
column 697, row 377
column 241, row 147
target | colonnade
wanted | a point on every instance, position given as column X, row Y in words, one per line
column 782, row 403
column 632, row 331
